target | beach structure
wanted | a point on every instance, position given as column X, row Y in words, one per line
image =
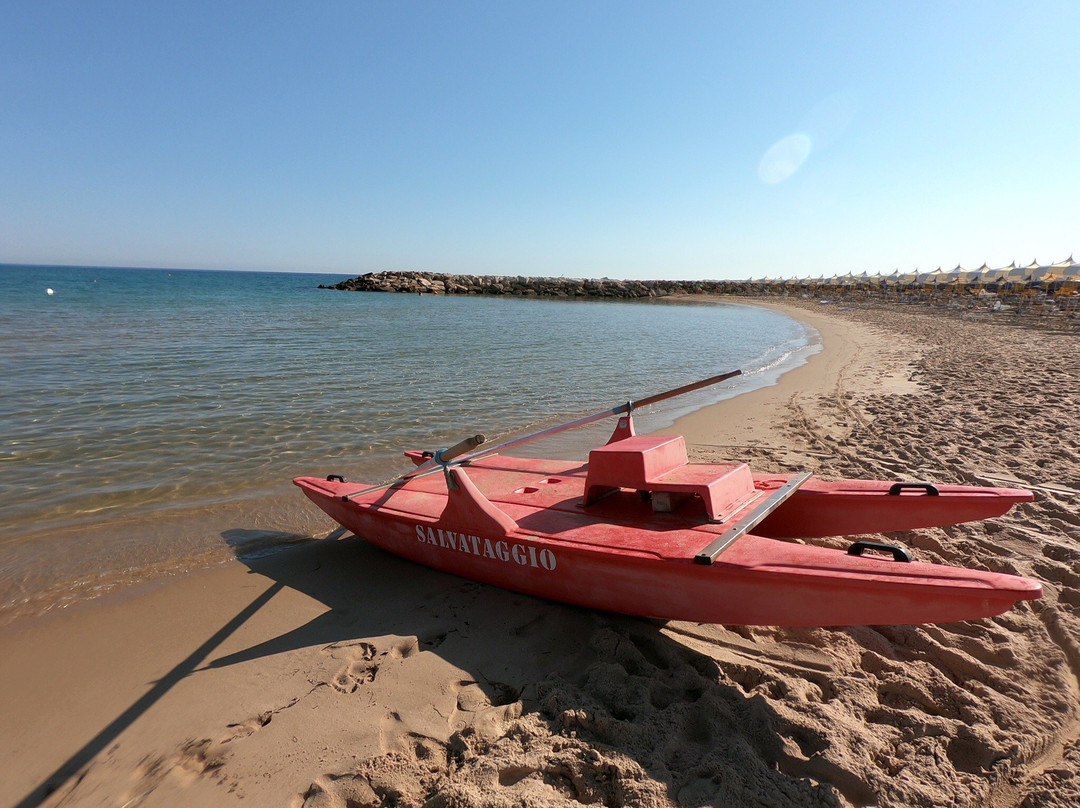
column 1032, row 288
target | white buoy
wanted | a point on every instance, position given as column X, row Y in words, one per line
column 48, row 291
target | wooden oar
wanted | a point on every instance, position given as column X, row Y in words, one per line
column 454, row 453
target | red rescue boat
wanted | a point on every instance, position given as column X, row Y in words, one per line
column 640, row 530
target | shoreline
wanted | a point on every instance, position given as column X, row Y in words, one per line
column 839, row 366
column 165, row 539
column 308, row 675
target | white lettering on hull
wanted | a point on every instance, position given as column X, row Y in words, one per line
column 524, row 555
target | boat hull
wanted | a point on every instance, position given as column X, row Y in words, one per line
column 529, row 532
column 851, row 507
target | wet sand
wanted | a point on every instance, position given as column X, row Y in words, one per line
column 334, row 674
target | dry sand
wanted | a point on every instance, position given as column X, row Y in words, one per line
column 337, row 675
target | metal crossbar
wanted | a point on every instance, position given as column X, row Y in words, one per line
column 743, row 526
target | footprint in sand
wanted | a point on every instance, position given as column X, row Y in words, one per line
column 360, row 669
column 363, row 659
column 243, row 729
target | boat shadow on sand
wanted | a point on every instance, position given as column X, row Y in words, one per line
column 563, row 702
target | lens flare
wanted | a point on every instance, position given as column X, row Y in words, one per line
column 784, row 158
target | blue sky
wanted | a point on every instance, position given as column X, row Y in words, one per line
column 586, row 139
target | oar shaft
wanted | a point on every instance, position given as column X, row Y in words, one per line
column 599, row 416
column 687, row 388
column 588, row 419
column 430, row 467
column 510, row 444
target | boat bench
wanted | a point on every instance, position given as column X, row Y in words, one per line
column 658, row 464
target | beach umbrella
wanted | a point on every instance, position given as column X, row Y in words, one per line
column 1070, row 279
column 950, row 279
column 1034, row 273
column 969, row 278
column 1016, row 278
column 1040, row 275
column 991, row 278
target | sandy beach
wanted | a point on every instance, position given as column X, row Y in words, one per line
column 333, row 675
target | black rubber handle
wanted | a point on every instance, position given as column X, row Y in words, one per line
column 898, row 553
column 931, row 490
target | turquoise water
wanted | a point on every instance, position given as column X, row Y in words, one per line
column 151, row 420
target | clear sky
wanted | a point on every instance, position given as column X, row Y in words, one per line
column 587, row 139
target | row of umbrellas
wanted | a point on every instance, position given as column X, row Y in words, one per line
column 1062, row 274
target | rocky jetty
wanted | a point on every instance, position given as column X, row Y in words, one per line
column 1057, row 303
column 435, row 283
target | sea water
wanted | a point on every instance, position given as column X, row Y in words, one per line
column 151, row 420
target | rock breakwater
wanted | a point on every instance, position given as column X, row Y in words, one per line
column 1055, row 305
column 445, row 284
